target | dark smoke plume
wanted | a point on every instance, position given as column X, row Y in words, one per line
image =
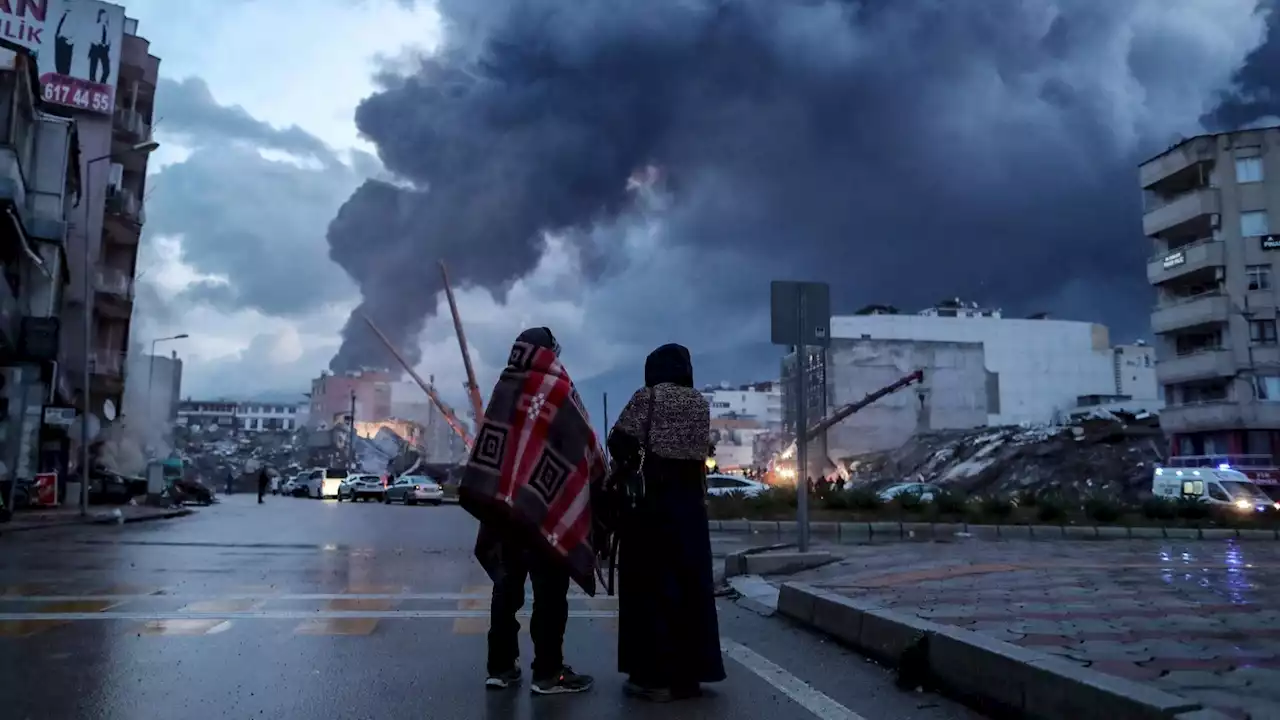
column 904, row 150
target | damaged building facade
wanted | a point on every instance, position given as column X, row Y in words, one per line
column 1215, row 268
column 39, row 188
column 981, row 369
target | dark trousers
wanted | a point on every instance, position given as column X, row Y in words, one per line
column 550, row 612
column 262, row 490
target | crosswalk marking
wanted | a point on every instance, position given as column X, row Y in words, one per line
column 480, row 597
column 349, row 623
column 207, row 626
column 29, row 624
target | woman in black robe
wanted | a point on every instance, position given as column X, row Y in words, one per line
column 668, row 635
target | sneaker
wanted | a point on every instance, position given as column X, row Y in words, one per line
column 567, row 681
column 503, row 680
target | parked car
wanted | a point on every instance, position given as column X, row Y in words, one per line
column 718, row 484
column 924, row 490
column 324, row 482
column 361, row 487
column 414, row 489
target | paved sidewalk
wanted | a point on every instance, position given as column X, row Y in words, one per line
column 63, row 516
column 1199, row 619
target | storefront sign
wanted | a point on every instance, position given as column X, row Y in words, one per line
column 59, row 416
column 1270, row 242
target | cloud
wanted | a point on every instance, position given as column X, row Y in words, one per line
column 902, row 151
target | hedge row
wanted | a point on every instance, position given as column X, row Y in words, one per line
column 1022, row 508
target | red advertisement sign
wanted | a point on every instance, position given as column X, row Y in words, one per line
column 77, row 93
column 46, row 490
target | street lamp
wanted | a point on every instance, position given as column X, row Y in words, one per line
column 144, row 147
column 151, row 367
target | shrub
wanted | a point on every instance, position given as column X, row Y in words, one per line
column 836, row 500
column 864, row 498
column 1026, row 498
column 1158, row 508
column 1050, row 508
column 949, row 503
column 995, row 507
column 1102, row 509
column 775, row 499
column 909, row 502
column 1194, row 508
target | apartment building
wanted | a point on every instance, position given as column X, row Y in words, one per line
column 207, row 414
column 114, row 125
column 39, row 186
column 332, row 396
column 256, row 416
column 760, row 401
column 1210, row 204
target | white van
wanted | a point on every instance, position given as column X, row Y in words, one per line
column 1218, row 486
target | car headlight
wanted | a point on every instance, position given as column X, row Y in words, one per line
column 1244, row 504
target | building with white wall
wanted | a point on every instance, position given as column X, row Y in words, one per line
column 1038, row 370
column 757, row 401
column 260, row 416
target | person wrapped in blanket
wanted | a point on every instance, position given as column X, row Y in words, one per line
column 528, row 481
column 668, row 634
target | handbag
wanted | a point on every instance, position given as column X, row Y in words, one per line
column 621, row 494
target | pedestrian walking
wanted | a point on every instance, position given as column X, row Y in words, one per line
column 528, row 481
column 264, row 480
column 668, row 632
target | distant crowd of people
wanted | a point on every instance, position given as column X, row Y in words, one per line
column 555, row 508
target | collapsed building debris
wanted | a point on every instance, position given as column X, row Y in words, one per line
column 1100, row 453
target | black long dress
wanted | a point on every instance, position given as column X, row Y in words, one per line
column 668, row 633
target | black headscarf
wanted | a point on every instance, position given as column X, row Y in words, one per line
column 540, row 337
column 670, row 363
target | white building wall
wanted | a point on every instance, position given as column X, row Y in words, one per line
column 1043, row 366
column 257, row 417
column 762, row 405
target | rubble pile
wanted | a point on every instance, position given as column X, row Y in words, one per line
column 216, row 454
column 1112, row 454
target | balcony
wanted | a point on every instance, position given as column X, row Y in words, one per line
column 1206, row 309
column 1181, row 210
column 1201, row 365
column 1185, row 260
column 130, row 126
column 137, row 62
column 107, row 364
column 124, row 216
column 115, row 292
column 1222, row 415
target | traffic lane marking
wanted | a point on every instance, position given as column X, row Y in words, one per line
column 210, row 626
column 19, row 625
column 278, row 615
column 800, row 692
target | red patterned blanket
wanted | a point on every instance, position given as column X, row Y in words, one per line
column 532, row 465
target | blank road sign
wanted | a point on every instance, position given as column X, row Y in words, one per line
column 786, row 301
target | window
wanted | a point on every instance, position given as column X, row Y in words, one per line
column 1217, row 493
column 1254, row 224
column 1266, row 387
column 1249, row 170
column 1259, row 277
column 1262, row 332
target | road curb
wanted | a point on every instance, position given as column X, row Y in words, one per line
column 768, row 561
column 864, row 531
column 989, row 674
column 97, row 519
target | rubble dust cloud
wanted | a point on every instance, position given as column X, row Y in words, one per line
column 902, row 151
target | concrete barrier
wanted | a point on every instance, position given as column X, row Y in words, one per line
column 986, row 672
column 756, row 562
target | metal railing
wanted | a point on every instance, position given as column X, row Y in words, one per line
column 131, row 123
column 122, row 202
column 1181, row 248
column 113, row 281
column 107, row 362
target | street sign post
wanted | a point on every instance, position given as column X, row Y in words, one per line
column 800, row 314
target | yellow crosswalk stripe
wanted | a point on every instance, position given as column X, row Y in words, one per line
column 351, row 626
column 201, row 626
column 28, row 628
column 473, row 625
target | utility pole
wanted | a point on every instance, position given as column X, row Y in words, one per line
column 351, row 437
column 606, row 427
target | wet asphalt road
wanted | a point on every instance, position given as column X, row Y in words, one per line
column 309, row 609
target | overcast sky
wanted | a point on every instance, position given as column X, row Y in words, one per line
column 914, row 152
